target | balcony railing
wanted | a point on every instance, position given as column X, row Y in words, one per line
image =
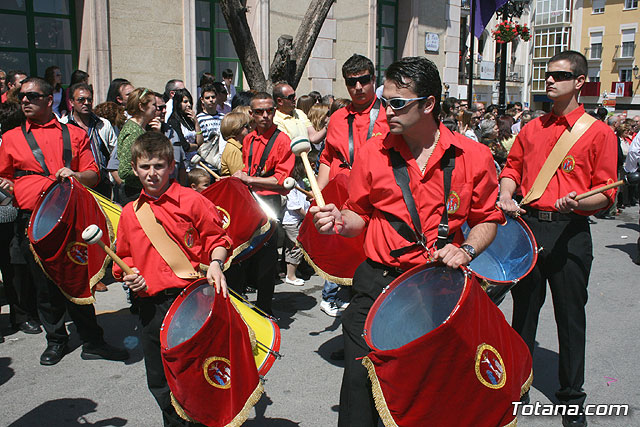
column 487, row 70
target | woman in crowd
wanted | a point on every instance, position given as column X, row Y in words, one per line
column 319, row 117
column 489, row 137
column 464, row 124
column 505, row 135
column 234, row 127
column 305, row 102
column 53, row 76
column 183, row 121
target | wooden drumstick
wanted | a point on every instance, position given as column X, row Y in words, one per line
column 92, row 235
column 290, row 183
column 197, row 160
column 631, row 178
column 300, row 146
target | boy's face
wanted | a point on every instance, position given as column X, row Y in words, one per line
column 202, row 184
column 154, row 174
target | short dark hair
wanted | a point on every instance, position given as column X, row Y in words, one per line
column 114, row 89
column 207, row 88
column 78, row 86
column 78, row 76
column 261, row 95
column 602, row 113
column 241, row 98
column 356, row 64
column 207, row 79
column 152, row 144
column 42, row 84
column 227, row 73
column 448, row 104
column 11, row 75
column 577, row 60
column 11, row 116
column 423, row 76
column 220, row 88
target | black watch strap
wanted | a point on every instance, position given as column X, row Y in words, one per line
column 470, row 250
column 220, row 263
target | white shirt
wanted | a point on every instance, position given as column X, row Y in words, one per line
column 633, row 156
column 295, row 200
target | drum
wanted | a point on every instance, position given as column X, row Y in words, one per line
column 111, row 209
column 61, row 214
column 242, row 218
column 511, row 256
column 333, row 257
column 207, row 355
column 439, row 344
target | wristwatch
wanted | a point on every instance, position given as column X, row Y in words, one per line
column 220, row 263
column 470, row 250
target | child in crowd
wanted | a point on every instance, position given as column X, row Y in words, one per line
column 198, row 179
column 297, row 206
column 196, row 233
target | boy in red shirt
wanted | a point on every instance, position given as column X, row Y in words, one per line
column 188, row 219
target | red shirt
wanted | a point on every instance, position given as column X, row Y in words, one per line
column 189, row 219
column 373, row 190
column 336, row 148
column 3, row 98
column 590, row 163
column 15, row 155
column 279, row 162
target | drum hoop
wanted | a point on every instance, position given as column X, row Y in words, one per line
column 164, row 328
column 534, row 245
column 41, row 200
column 394, row 284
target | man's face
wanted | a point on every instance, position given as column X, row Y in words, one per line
column 124, row 91
column 361, row 88
column 161, row 108
column 561, row 87
column 464, row 105
column 153, row 173
column 475, row 119
column 262, row 111
column 227, row 80
column 178, row 85
column 221, row 96
column 82, row 101
column 35, row 105
column 480, row 108
column 288, row 103
column 401, row 120
column 209, row 101
column 16, row 81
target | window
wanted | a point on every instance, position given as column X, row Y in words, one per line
column 628, row 43
column 552, row 12
column 594, row 74
column 630, row 4
column 538, row 83
column 549, row 41
column 596, row 46
column 214, row 48
column 386, row 36
column 598, row 6
column 36, row 34
column 625, row 74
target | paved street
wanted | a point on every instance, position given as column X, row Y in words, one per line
column 302, row 388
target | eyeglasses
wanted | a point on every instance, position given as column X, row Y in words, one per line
column 82, row 100
column 363, row 80
column 161, row 107
column 560, row 76
column 398, row 103
column 31, row 96
column 261, row 111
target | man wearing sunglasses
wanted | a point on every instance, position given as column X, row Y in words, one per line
column 14, row 79
column 380, row 201
column 291, row 120
column 22, row 172
column 350, row 127
column 559, row 222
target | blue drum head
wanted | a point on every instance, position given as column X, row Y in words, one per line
column 414, row 306
column 191, row 313
column 51, row 209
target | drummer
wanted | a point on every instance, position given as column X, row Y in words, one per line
column 192, row 221
column 27, row 174
column 417, row 144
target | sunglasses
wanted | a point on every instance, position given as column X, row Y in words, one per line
column 291, row 97
column 560, row 76
column 398, row 103
column 82, row 100
column 31, row 96
column 352, row 81
column 161, row 107
column 261, row 111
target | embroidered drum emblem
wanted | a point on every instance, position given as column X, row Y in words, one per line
column 217, row 372
column 453, row 203
column 190, row 237
column 78, row 253
column 224, row 215
column 490, row 368
column 568, row 164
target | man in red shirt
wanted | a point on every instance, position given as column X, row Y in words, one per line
column 559, row 222
column 24, row 175
column 416, row 143
column 14, row 79
column 265, row 174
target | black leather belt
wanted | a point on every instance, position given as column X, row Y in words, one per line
column 387, row 270
column 551, row 216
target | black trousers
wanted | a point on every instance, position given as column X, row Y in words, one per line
column 357, row 407
column 18, row 287
column 565, row 263
column 52, row 305
column 152, row 312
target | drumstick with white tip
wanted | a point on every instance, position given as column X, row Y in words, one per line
column 300, row 146
column 197, row 160
column 289, row 183
column 92, row 235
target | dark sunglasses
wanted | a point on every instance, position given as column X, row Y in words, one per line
column 261, row 111
column 291, row 97
column 82, row 100
column 161, row 107
column 352, row 81
column 31, row 96
column 398, row 103
column 560, row 76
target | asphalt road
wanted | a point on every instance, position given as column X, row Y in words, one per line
column 302, row 388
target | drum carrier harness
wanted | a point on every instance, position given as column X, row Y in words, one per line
column 373, row 116
column 415, row 234
column 265, row 154
column 37, row 152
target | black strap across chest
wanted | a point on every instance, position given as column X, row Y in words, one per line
column 373, row 116
column 415, row 234
column 39, row 156
column 265, row 153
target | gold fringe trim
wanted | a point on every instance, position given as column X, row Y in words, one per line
column 252, row 334
column 339, row 280
column 246, row 244
column 527, row 384
column 513, row 423
column 378, row 397
column 238, row 420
